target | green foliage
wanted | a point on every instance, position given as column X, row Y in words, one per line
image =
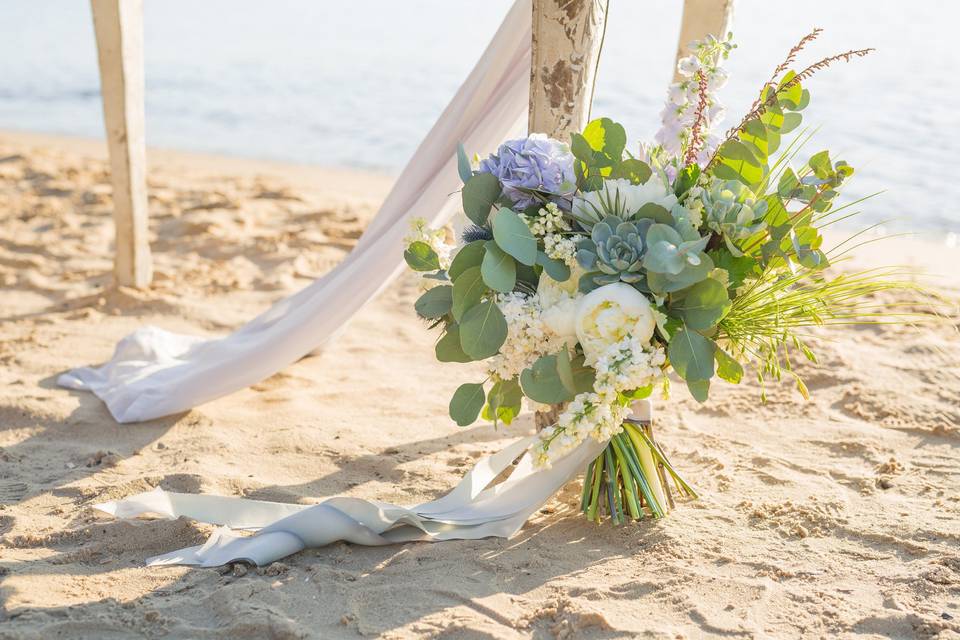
column 636, row 171
column 673, row 263
column 482, row 330
column 463, row 164
column 703, row 305
column 574, row 374
column 740, row 162
column 599, row 154
column 448, row 348
column 466, row 403
column 498, row 269
column 727, row 367
column 691, row 355
column 470, row 255
column 556, row 269
column 686, row 179
column 468, row 289
column 746, row 157
column 513, row 236
column 542, row 382
column 738, row 269
column 699, row 389
column 503, row 401
column 435, row 303
column 421, row 257
column 479, row 194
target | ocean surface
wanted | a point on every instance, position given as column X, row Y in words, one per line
column 357, row 84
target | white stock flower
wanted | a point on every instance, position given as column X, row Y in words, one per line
column 689, row 65
column 610, row 313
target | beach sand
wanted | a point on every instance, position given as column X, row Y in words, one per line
column 829, row 518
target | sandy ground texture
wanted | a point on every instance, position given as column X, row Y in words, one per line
column 837, row 517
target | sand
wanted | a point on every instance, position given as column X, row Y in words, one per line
column 837, row 517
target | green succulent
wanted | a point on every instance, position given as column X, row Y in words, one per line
column 673, row 263
column 614, row 251
column 732, row 212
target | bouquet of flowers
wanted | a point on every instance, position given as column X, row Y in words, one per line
column 590, row 272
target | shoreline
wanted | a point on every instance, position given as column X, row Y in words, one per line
column 354, row 182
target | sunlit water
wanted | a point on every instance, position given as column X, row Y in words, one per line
column 356, row 84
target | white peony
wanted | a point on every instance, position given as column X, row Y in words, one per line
column 623, row 199
column 558, row 301
column 549, row 291
column 609, row 314
column 561, row 319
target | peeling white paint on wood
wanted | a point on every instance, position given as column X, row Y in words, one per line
column 567, row 37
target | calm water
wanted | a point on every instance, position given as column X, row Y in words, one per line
column 357, row 84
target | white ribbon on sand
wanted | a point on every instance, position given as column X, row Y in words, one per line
column 472, row 510
column 155, row 372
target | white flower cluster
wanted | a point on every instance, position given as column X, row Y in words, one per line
column 528, row 337
column 628, row 365
column 624, row 366
column 435, row 238
column 563, row 248
column 587, row 416
column 548, row 220
column 680, row 111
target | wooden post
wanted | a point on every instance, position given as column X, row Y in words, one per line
column 119, row 30
column 567, row 38
column 700, row 19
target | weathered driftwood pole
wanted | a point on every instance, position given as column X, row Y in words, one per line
column 119, row 30
column 567, row 38
column 700, row 19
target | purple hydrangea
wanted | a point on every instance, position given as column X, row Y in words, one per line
column 536, row 162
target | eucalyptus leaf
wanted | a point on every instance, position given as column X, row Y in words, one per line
column 498, row 269
column 448, row 348
column 466, row 403
column 504, row 400
column 435, row 303
column 727, row 368
column 654, row 212
column 542, row 382
column 636, row 171
column 421, row 257
column 463, row 164
column 514, row 237
column 468, row 290
column 691, row 355
column 704, row 305
column 574, row 374
column 699, row 389
column 556, row 269
column 608, row 137
column 483, row 330
column 470, row 255
column 478, row 195
column 686, row 179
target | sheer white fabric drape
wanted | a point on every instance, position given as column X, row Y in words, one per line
column 154, row 372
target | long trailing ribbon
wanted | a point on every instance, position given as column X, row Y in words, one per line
column 473, row 509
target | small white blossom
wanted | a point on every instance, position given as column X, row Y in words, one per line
column 549, row 220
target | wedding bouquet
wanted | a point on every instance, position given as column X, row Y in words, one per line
column 591, row 273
